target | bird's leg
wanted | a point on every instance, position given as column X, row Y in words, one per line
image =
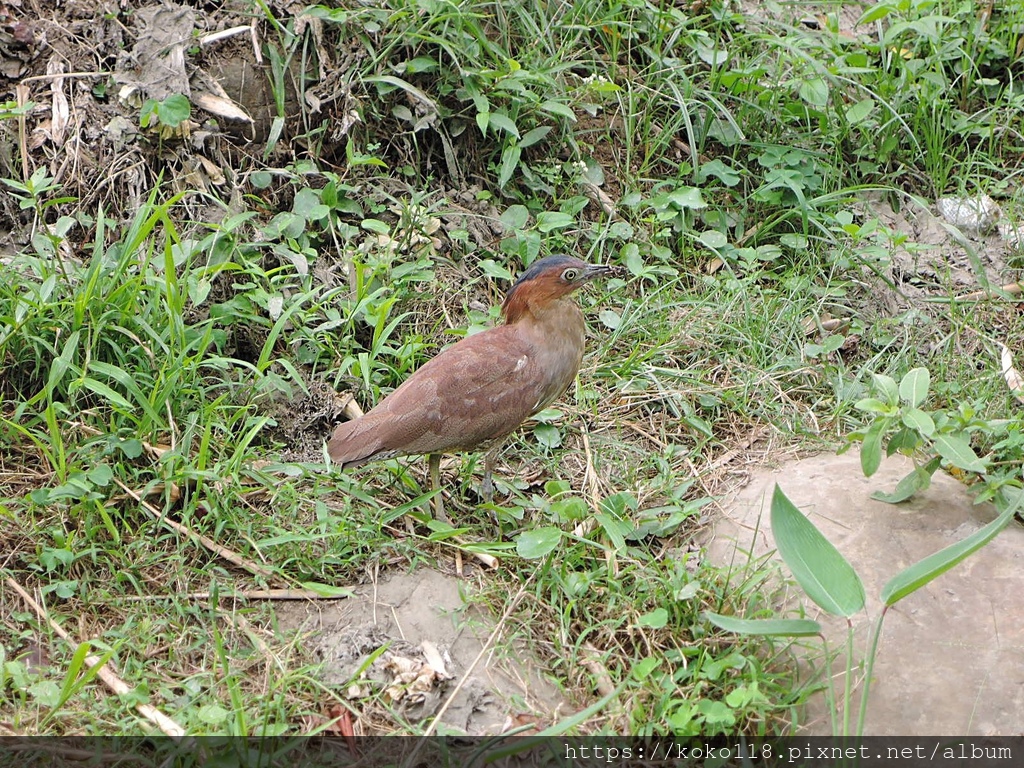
column 434, row 460
column 487, row 486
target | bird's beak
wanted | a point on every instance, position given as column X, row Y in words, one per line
column 594, row 271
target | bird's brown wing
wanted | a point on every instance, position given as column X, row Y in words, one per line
column 476, row 391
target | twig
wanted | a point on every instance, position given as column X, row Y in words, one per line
column 111, row 680
column 22, row 92
column 70, row 753
column 210, row 544
column 55, row 75
column 256, row 594
column 592, row 661
column 1011, row 288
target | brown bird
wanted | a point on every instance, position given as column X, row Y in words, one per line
column 477, row 391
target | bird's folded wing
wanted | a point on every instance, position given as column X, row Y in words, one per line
column 474, row 392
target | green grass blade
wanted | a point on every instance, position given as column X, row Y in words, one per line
column 765, row 627
column 825, row 575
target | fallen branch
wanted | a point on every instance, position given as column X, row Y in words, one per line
column 210, row 544
column 111, row 680
column 1013, row 289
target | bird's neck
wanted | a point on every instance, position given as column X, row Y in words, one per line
column 539, row 309
column 554, row 332
column 556, row 324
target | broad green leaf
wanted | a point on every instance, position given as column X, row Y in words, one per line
column 557, row 108
column 814, row 91
column 860, row 111
column 713, row 239
column 548, row 435
column 503, row 122
column 765, row 627
column 917, row 419
column 919, row 574
column 719, row 169
column 918, row 480
column 959, row 453
column 327, row 590
column 548, row 221
column 825, row 575
column 45, row 692
column 872, row 405
column 610, row 318
column 687, row 197
column 538, row 542
column 62, row 362
column 879, row 11
column 213, row 714
column 914, row 387
column 887, row 388
column 101, row 475
column 617, row 530
column 716, row 712
column 483, row 119
column 174, row 110
column 108, row 394
column 656, row 619
column 509, row 163
column 532, row 137
column 904, row 440
column 515, row 216
column 641, row 669
column 871, row 449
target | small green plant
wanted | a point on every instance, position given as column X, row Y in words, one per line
column 165, row 116
column 831, row 582
column 899, row 423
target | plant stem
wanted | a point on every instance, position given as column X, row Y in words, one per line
column 872, row 651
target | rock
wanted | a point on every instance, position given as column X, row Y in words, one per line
column 949, row 657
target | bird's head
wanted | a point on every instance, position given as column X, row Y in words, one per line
column 548, row 280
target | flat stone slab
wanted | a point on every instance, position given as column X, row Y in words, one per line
column 951, row 656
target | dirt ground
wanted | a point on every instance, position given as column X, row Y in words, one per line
column 433, row 638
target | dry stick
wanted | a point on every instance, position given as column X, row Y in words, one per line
column 210, row 544
column 111, row 680
column 256, row 594
column 1012, row 288
column 592, row 661
column 22, row 91
column 55, row 75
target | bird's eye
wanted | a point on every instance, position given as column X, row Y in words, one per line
column 570, row 274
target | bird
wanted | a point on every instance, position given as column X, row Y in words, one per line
column 476, row 392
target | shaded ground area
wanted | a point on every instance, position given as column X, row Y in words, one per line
column 948, row 661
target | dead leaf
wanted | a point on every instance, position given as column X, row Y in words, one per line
column 1014, row 380
column 60, row 112
column 433, row 656
column 220, row 106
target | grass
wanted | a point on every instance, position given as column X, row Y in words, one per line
column 179, row 360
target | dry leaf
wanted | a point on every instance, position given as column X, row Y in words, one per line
column 434, row 659
column 221, row 107
column 1014, row 380
column 60, row 112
